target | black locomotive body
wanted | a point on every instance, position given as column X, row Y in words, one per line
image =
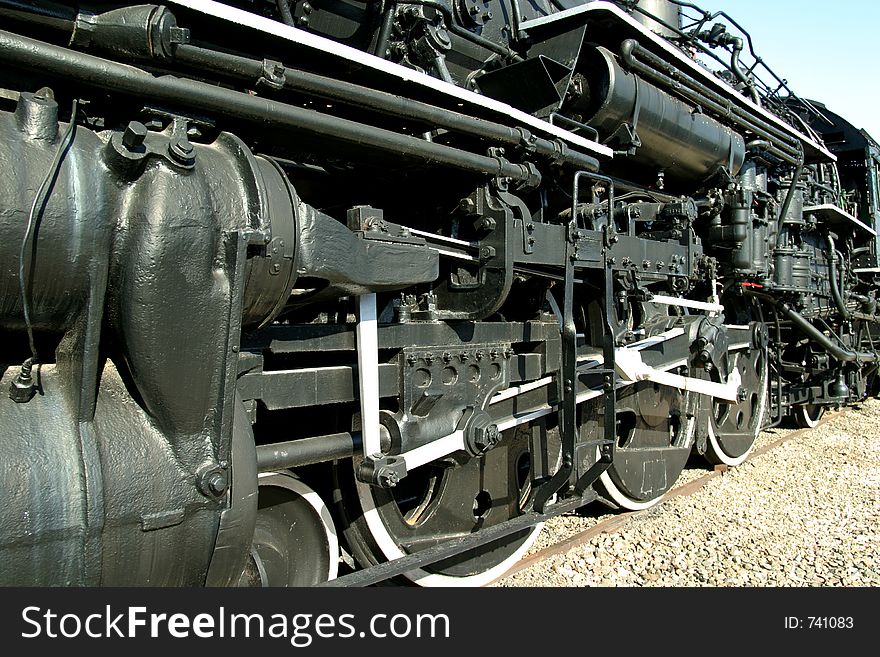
column 297, row 289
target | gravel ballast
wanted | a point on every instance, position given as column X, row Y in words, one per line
column 806, row 513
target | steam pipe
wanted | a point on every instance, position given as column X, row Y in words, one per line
column 789, row 197
column 284, row 11
column 698, row 93
column 251, row 70
column 735, row 66
column 839, row 352
column 833, row 283
column 385, row 30
column 51, row 15
column 98, row 73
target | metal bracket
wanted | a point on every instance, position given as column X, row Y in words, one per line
column 385, row 471
column 368, row 374
column 272, row 74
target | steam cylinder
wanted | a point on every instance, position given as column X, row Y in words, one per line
column 674, row 137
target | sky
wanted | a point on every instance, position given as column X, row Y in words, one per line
column 826, row 50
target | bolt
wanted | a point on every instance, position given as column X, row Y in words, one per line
column 479, row 355
column 22, row 389
column 464, row 356
column 218, row 482
column 486, row 437
column 388, row 479
column 493, row 354
column 213, row 482
column 411, row 360
column 447, row 357
column 181, row 150
column 429, row 358
column 134, row 135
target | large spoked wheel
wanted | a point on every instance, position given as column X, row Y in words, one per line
column 808, row 416
column 295, row 541
column 734, row 426
column 653, row 435
column 654, row 424
column 439, row 502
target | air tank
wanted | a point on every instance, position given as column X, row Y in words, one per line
column 664, row 133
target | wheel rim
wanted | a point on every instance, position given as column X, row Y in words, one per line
column 654, row 430
column 441, row 501
column 295, row 542
column 809, row 415
column 734, row 426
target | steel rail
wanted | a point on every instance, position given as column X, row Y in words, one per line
column 618, row 522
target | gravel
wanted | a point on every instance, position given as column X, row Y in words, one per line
column 806, row 513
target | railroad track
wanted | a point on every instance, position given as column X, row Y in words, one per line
column 621, row 520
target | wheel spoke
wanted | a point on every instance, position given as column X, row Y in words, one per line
column 653, row 434
column 734, row 426
column 442, row 501
column 295, row 540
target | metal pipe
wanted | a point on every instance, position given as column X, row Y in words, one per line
column 696, row 92
column 51, row 15
column 385, row 30
column 516, row 20
column 789, row 197
column 315, row 449
column 98, row 73
column 251, row 70
column 839, row 352
column 307, row 451
column 284, row 12
column 739, row 73
column 833, row 283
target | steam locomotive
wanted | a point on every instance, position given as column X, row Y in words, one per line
column 346, row 291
